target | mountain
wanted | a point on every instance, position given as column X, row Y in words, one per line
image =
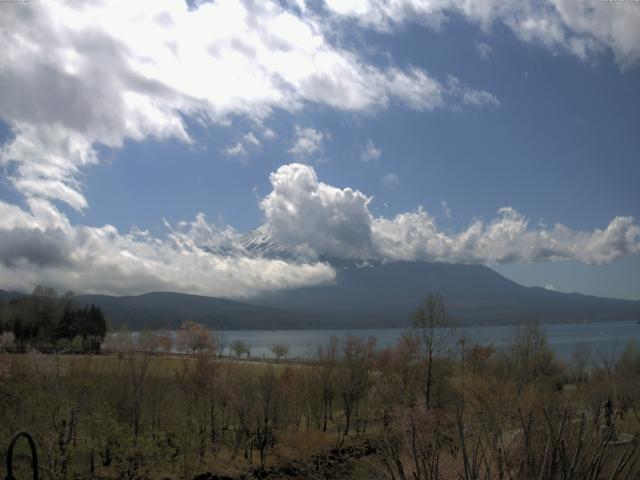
column 168, row 310
column 259, row 242
column 385, row 294
column 374, row 294
column 160, row 310
column 6, row 296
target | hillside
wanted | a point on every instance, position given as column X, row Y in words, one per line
column 386, row 294
column 376, row 295
column 168, row 310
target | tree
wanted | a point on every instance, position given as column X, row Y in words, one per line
column 120, row 341
column 92, row 326
column 529, row 358
column 147, row 341
column 239, row 348
column 328, row 356
column 197, row 378
column 279, row 350
column 7, row 340
column 270, row 406
column 45, row 292
column 355, row 375
column 195, row 338
column 221, row 344
column 20, row 332
column 430, row 331
column 67, row 326
column 580, row 358
column 165, row 342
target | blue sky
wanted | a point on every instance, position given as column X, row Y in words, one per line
column 435, row 120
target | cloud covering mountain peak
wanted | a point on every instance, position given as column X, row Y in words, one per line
column 305, row 221
column 312, row 218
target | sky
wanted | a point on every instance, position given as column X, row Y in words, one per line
column 140, row 142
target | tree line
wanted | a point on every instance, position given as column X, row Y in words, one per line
column 50, row 322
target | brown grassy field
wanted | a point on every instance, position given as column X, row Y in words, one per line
column 356, row 412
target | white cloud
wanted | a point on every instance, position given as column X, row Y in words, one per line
column 317, row 219
column 307, row 218
column 73, row 75
column 390, row 180
column 241, row 149
column 312, row 218
column 268, row 134
column 484, row 50
column 370, row 152
column 468, row 96
column 236, row 150
column 251, row 139
column 416, row 89
column 584, row 29
column 300, row 4
column 507, row 238
column 446, row 210
column 39, row 245
column 307, row 142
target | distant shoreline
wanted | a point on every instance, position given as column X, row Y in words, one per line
column 374, row 327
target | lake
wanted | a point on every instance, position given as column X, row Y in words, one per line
column 604, row 338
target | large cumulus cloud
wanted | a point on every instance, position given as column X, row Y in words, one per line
column 311, row 217
column 319, row 219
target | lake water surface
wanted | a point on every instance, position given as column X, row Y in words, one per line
column 604, row 339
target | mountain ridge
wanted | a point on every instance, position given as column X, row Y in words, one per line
column 366, row 295
column 473, row 294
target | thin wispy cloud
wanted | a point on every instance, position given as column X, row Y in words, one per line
column 251, row 139
column 236, row 150
column 446, row 210
column 390, row 180
column 484, row 50
column 370, row 152
column 308, row 141
column 580, row 28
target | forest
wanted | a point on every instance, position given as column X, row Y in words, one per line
column 47, row 322
column 434, row 406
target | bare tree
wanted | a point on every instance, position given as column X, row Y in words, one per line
column 580, row 358
column 147, row 341
column 529, row 359
column 197, row 378
column 221, row 344
column 354, row 376
column 431, row 332
column 165, row 342
column 328, row 357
